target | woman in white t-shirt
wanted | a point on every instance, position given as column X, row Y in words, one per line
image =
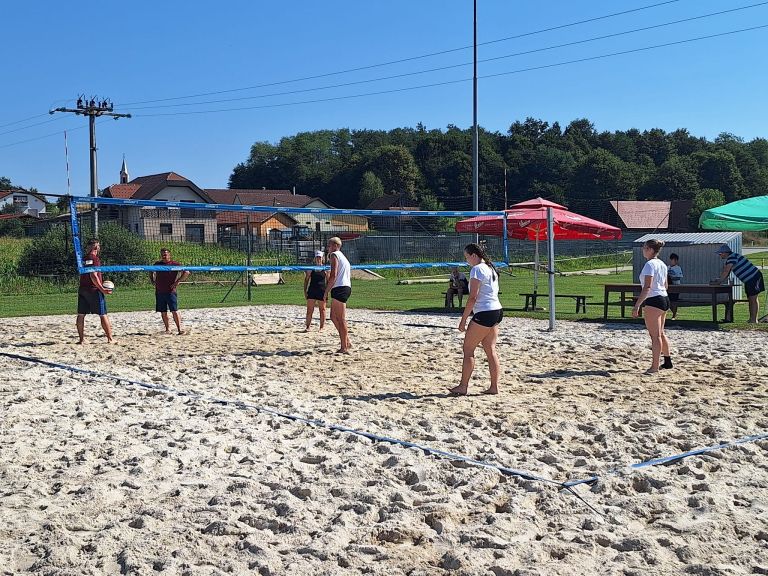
column 483, row 303
column 339, row 287
column 654, row 297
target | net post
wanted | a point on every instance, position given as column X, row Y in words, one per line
column 74, row 224
column 248, row 255
column 551, row 266
column 505, row 238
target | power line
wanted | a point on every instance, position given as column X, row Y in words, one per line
column 448, row 82
column 40, row 137
column 22, row 120
column 31, row 125
column 409, row 59
column 436, row 84
column 452, row 66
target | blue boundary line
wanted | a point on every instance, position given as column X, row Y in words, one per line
column 567, row 485
column 308, row 421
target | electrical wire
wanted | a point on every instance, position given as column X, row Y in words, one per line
column 449, row 82
column 23, row 120
column 32, row 125
column 409, row 59
column 452, row 66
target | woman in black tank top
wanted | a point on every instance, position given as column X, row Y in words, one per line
column 314, row 291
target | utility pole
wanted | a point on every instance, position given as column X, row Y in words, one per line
column 93, row 108
column 475, row 136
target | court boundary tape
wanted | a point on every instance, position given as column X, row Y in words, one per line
column 507, row 471
column 568, row 485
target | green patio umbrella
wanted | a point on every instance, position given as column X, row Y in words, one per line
column 750, row 214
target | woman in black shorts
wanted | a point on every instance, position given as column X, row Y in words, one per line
column 654, row 297
column 483, row 329
column 314, row 291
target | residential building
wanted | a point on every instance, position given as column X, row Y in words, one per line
column 30, row 203
column 169, row 224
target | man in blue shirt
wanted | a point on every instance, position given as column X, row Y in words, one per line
column 749, row 274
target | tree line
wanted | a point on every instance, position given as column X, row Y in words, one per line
column 575, row 166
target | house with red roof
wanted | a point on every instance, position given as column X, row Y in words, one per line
column 207, row 226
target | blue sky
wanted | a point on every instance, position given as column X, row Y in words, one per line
column 138, row 51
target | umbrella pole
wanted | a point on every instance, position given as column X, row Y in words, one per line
column 536, row 265
column 551, row 266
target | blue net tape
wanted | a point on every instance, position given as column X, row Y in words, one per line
column 288, row 268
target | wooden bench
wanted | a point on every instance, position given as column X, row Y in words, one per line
column 531, row 297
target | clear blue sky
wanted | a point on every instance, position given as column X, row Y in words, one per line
column 138, row 51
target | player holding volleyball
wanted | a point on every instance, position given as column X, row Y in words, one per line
column 339, row 286
column 90, row 294
column 484, row 327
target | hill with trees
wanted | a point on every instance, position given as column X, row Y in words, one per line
column 575, row 166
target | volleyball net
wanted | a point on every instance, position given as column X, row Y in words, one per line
column 231, row 238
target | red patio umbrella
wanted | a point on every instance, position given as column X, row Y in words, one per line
column 528, row 221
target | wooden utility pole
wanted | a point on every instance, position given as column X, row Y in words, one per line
column 93, row 108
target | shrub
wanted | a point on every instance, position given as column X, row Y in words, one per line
column 53, row 253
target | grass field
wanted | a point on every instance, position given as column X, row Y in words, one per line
column 376, row 294
column 21, row 296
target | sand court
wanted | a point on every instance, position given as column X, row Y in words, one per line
column 102, row 477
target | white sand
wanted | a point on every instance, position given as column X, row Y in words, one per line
column 98, row 477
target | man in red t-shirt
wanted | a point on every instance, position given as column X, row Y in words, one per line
column 165, row 290
column 90, row 294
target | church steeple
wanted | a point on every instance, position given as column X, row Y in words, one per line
column 124, row 172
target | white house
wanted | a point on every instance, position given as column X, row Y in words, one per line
column 172, row 224
column 25, row 202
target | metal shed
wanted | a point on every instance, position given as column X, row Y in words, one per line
column 698, row 259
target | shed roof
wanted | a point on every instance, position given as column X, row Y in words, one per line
column 692, row 238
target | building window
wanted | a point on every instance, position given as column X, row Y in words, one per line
column 165, row 228
column 20, row 200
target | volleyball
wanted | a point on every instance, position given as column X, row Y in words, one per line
column 108, row 285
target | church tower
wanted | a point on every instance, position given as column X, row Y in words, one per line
column 123, row 172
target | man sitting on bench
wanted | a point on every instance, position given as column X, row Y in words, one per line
column 459, row 285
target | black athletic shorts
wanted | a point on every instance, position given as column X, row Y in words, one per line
column 660, row 302
column 315, row 294
column 755, row 285
column 91, row 302
column 489, row 318
column 341, row 293
column 674, row 297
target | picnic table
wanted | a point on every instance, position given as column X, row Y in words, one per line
column 713, row 290
column 531, row 297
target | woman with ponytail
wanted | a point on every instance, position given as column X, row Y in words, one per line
column 484, row 305
column 654, row 297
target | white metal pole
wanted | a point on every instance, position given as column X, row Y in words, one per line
column 551, row 266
